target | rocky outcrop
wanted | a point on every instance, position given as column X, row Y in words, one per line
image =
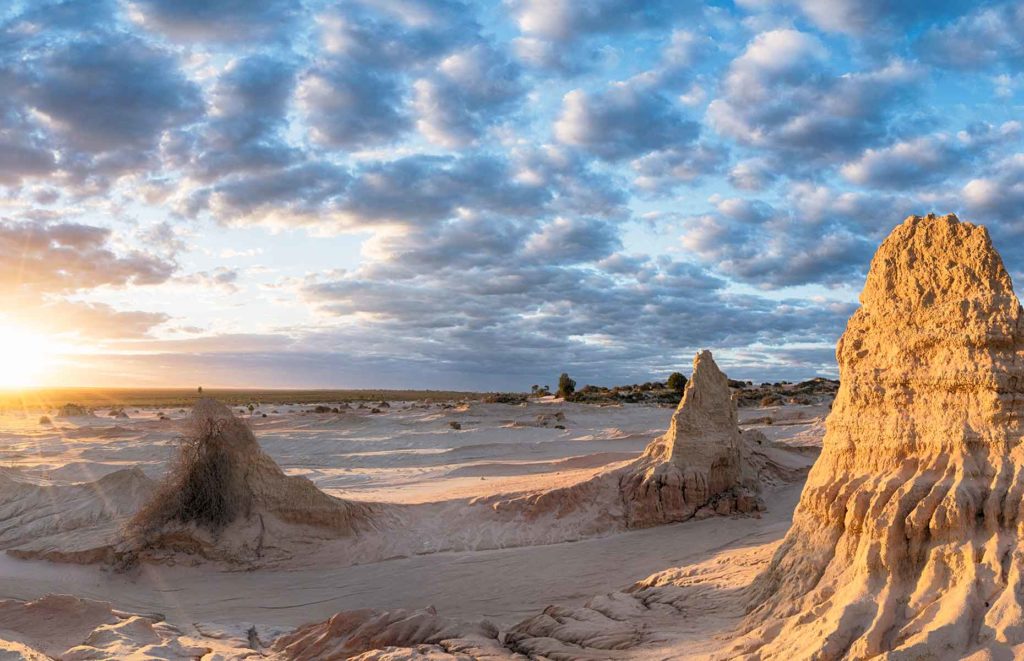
column 905, row 541
column 700, row 462
column 225, row 498
column 74, row 411
column 391, row 634
column 702, row 467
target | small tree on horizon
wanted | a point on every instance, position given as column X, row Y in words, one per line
column 566, row 386
column 676, row 381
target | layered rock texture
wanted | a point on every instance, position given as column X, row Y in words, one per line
column 225, row 498
column 905, row 542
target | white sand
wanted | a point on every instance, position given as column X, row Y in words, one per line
column 407, row 455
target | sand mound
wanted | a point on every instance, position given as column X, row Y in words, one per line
column 395, row 634
column 71, row 523
column 69, row 628
column 905, row 541
column 224, row 497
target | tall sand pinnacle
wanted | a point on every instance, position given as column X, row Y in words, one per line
column 905, row 540
column 698, row 459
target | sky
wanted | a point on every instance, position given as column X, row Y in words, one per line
column 479, row 195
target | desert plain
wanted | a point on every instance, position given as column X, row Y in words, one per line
column 873, row 518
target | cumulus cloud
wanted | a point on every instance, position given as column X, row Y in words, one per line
column 817, row 236
column 248, row 111
column 662, row 171
column 110, row 94
column 782, row 94
column 928, row 159
column 753, row 174
column 987, row 36
column 566, row 240
column 67, row 257
column 409, row 191
column 863, row 17
column 625, row 120
column 215, row 20
column 555, row 33
column 358, row 92
column 999, row 194
column 469, row 91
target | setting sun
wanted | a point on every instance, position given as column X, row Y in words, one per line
column 24, row 357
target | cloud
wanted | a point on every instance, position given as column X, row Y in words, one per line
column 816, row 236
column 928, row 159
column 566, row 240
column 292, row 195
column 110, row 94
column 223, row 278
column 999, row 194
column 469, row 91
column 864, row 17
column 501, row 312
column 68, row 257
column 664, row 170
column 753, row 174
column 564, row 19
column 987, row 36
column 349, row 106
column 92, row 321
column 559, row 34
column 409, row 191
column 230, row 21
column 780, row 94
column 625, row 120
column 85, row 101
column 244, row 131
column 358, row 94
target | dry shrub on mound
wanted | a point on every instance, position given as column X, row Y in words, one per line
column 222, row 479
column 202, row 486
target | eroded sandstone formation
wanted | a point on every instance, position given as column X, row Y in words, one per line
column 701, row 467
column 905, row 541
column 700, row 462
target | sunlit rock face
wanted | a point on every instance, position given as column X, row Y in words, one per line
column 905, row 541
column 699, row 461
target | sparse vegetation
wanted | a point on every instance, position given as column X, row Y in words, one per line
column 201, row 486
column 811, row 391
column 175, row 398
column 505, row 398
column 566, row 386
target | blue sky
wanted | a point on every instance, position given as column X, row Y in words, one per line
column 480, row 195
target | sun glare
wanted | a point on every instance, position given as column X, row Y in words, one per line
column 24, row 358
